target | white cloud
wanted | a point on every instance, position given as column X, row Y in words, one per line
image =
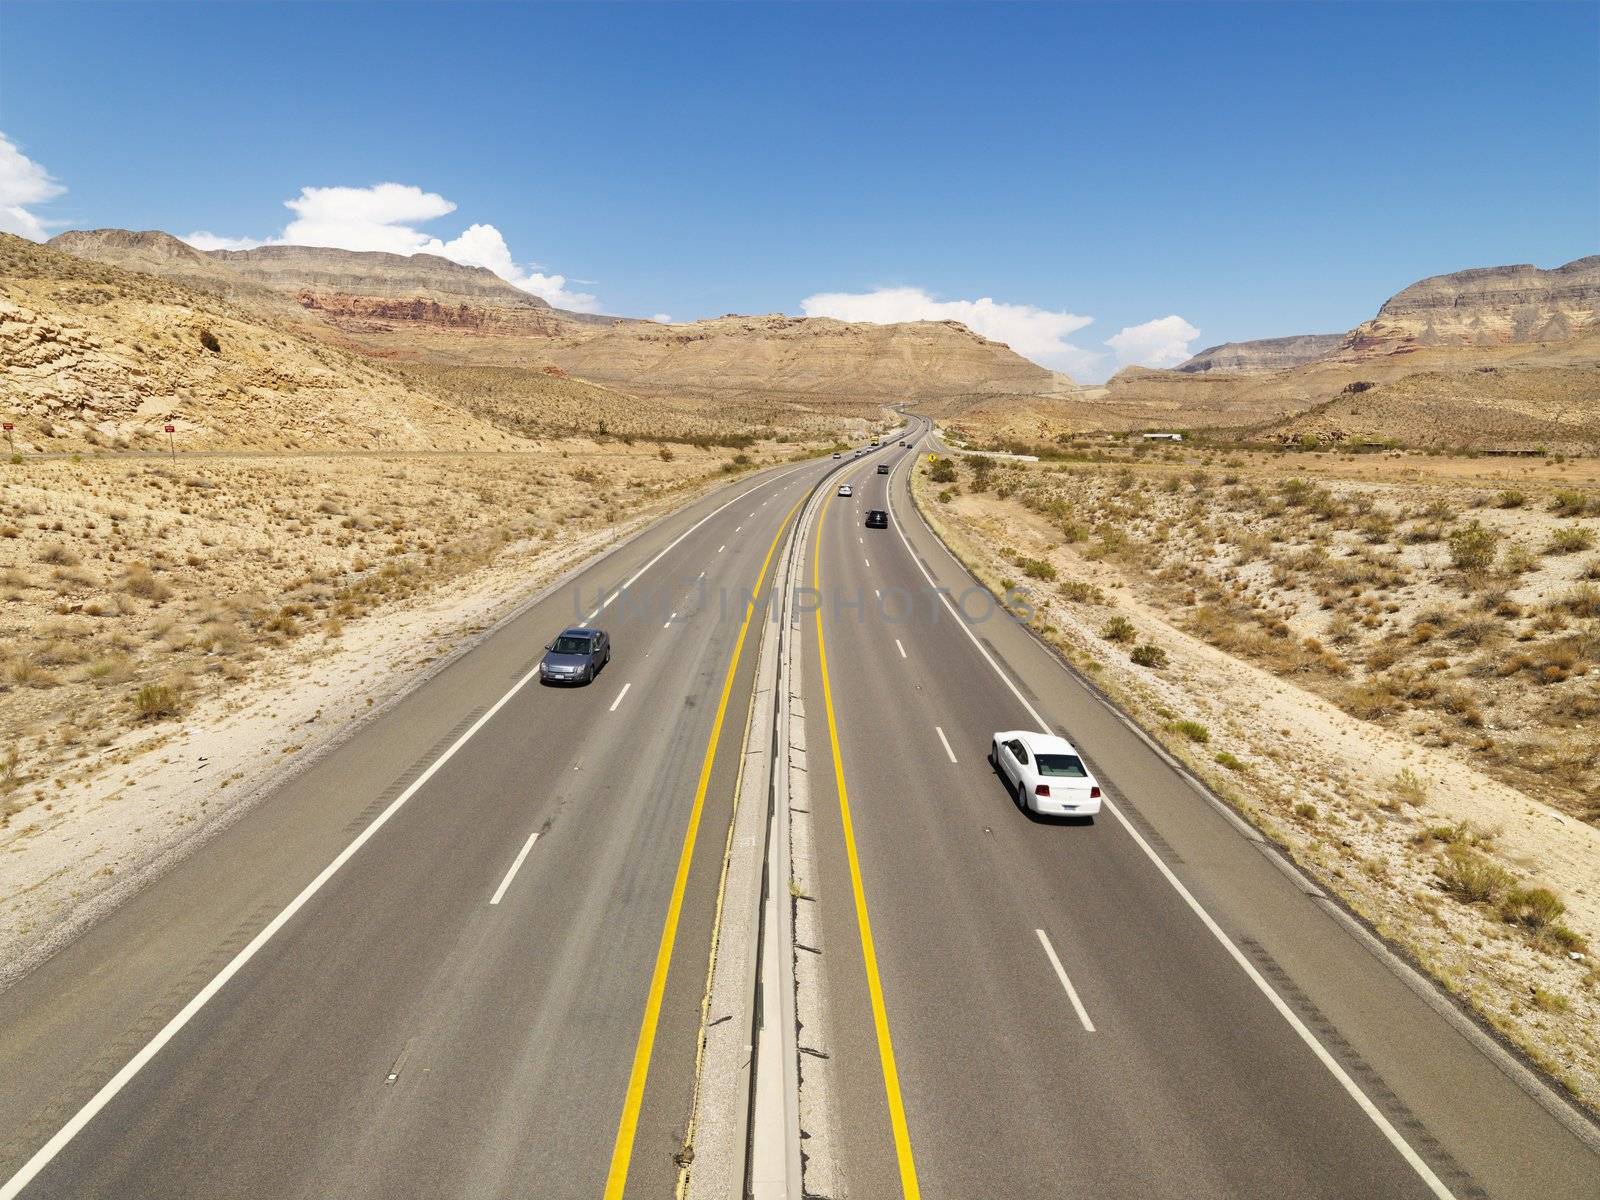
column 1163, row 342
column 662, row 318
column 384, row 217
column 1036, row 333
column 24, row 182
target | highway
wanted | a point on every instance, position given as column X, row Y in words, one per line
column 459, row 1009
column 1067, row 1009
column 463, row 954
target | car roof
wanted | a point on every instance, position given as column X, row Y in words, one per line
column 1039, row 743
column 581, row 633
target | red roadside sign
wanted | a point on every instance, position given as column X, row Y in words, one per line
column 169, row 428
column 6, row 427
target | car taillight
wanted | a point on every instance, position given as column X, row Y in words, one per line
column 1094, row 793
column 1042, row 789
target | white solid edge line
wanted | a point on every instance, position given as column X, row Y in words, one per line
column 515, row 867
column 41, row 1158
column 946, row 742
column 1061, row 974
column 899, row 647
column 134, row 1065
column 1351, row 1087
column 620, row 695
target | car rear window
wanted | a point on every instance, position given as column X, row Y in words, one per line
column 1067, row 766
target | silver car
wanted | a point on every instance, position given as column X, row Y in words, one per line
column 576, row 656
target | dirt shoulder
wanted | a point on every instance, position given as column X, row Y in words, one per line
column 1492, row 890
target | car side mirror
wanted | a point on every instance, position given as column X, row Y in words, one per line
column 547, row 645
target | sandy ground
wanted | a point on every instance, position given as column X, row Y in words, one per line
column 100, row 798
column 1367, row 810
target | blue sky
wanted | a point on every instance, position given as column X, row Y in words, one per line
column 1241, row 170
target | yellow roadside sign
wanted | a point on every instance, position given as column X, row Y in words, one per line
column 933, row 458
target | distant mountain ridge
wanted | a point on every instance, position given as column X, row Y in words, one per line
column 1486, row 306
column 1265, row 354
column 1481, row 306
column 428, row 309
column 805, row 358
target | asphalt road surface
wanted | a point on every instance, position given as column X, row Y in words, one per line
column 429, row 1022
column 1053, row 1017
column 463, row 953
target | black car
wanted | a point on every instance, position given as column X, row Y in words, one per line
column 877, row 519
column 883, row 468
column 576, row 656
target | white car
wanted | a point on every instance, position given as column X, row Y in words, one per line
column 844, row 490
column 1045, row 774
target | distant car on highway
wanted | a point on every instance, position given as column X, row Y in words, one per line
column 844, row 490
column 576, row 656
column 877, row 519
column 883, row 468
column 836, row 454
column 1045, row 774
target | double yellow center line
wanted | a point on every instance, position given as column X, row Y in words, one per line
column 628, row 1127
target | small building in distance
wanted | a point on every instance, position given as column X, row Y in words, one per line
column 1163, row 437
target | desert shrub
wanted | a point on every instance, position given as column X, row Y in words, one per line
column 982, row 471
column 141, row 582
column 1192, row 730
column 1570, row 541
column 210, row 342
column 1082, row 592
column 1232, row 761
column 1037, row 568
column 947, row 495
column 1532, row 908
column 1471, row 877
column 1568, row 503
column 156, row 702
column 1462, row 833
column 942, row 471
column 1153, row 657
column 1118, row 629
column 1518, row 560
column 1409, row 787
column 1511, row 498
column 1472, row 546
column 1582, row 601
column 57, row 555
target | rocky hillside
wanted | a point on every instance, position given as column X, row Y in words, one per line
column 1266, row 354
column 95, row 356
column 427, row 309
column 155, row 253
column 809, row 361
column 1491, row 306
